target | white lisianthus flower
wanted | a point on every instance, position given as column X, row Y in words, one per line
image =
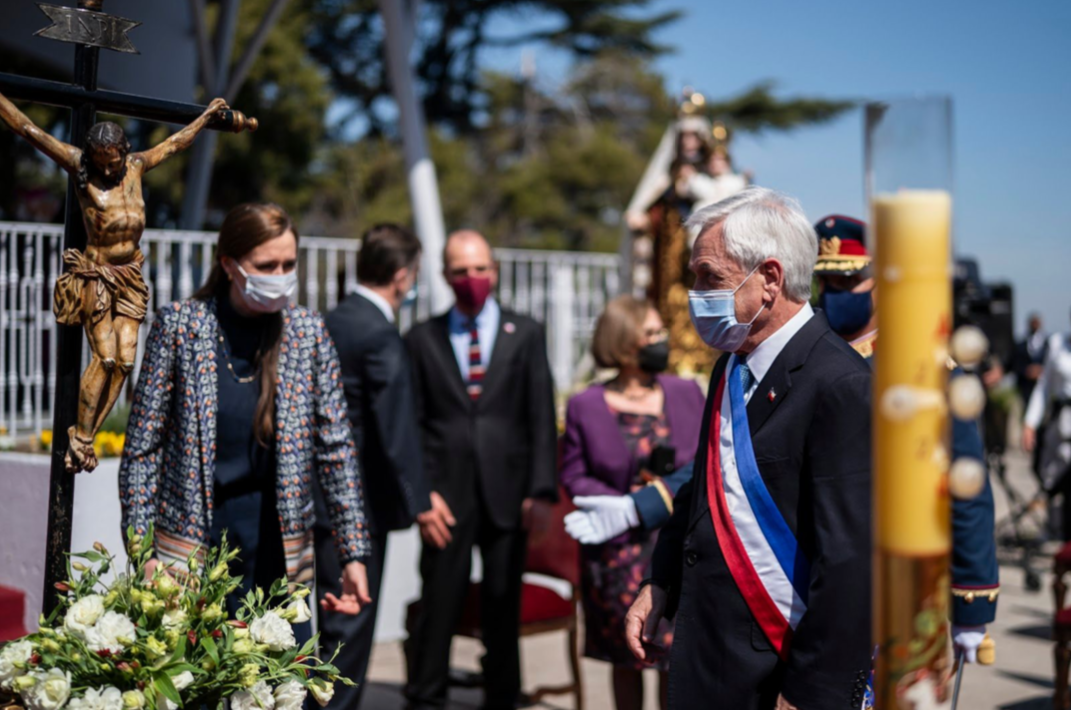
column 17, row 652
column 272, row 631
column 290, row 696
column 258, row 697
column 50, row 692
column 83, row 614
column 181, row 681
column 108, row 632
column 106, row 698
column 174, row 618
column 300, row 610
column 322, row 691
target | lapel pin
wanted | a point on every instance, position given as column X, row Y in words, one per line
column 509, row 327
column 771, row 395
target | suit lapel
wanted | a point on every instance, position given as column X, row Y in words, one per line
column 445, row 350
column 776, row 385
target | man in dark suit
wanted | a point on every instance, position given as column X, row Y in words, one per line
column 766, row 560
column 485, row 403
column 1029, row 358
column 380, row 402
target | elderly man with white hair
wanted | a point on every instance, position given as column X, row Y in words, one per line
column 766, row 561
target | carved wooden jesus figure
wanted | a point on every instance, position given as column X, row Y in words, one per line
column 103, row 288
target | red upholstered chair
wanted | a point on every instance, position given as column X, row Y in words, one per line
column 12, row 611
column 543, row 610
column 1062, row 628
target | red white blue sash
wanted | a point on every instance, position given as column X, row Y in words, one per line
column 763, row 555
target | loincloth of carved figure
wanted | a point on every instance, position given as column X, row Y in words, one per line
column 120, row 289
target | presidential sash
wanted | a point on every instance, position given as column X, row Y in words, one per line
column 762, row 554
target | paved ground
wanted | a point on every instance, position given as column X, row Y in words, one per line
column 1020, row 680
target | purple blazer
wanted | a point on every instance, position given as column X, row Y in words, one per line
column 595, row 459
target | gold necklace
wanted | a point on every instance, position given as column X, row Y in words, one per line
column 227, row 356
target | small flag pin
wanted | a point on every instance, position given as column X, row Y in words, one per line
column 771, row 395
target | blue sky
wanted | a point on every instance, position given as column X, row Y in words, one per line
column 1006, row 65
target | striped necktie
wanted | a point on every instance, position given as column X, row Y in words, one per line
column 476, row 369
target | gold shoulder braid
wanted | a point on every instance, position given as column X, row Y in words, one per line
column 969, row 595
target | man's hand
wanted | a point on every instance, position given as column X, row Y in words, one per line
column 783, row 704
column 601, row 518
column 966, row 640
column 354, row 591
column 1033, row 372
column 1029, row 438
column 641, row 623
column 435, row 524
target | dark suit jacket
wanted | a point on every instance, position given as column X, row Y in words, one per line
column 812, row 445
column 380, row 407
column 504, row 444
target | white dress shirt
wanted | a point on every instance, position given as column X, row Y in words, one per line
column 486, row 327
column 1055, row 380
column 377, row 300
column 762, row 357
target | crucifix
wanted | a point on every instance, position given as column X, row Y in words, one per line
column 101, row 289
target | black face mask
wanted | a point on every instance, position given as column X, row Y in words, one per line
column 654, row 357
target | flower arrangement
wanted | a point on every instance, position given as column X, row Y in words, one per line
column 163, row 640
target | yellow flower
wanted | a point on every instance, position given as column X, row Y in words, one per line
column 249, row 674
column 46, row 438
column 155, row 647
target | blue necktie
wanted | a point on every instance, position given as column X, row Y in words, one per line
column 746, row 380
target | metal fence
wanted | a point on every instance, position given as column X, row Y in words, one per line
column 564, row 290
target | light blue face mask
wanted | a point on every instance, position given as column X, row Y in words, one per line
column 714, row 317
column 411, row 295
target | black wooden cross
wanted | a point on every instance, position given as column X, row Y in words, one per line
column 90, row 29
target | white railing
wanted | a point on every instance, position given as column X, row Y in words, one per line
column 564, row 290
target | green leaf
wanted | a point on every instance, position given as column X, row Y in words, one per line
column 180, row 649
column 209, row 646
column 167, row 688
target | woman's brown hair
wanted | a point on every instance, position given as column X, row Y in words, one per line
column 244, row 229
column 617, row 332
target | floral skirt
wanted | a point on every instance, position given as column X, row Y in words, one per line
column 610, row 581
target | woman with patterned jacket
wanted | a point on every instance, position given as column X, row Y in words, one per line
column 237, row 406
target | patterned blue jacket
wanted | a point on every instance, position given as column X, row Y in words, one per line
column 167, row 472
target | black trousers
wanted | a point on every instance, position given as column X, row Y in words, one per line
column 445, row 575
column 354, row 633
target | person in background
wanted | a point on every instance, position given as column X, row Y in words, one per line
column 1029, row 358
column 1050, row 404
column 237, row 406
column 485, row 406
column 846, row 282
column 611, row 431
column 379, row 395
column 1028, row 361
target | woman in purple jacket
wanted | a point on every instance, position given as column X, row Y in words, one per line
column 611, row 431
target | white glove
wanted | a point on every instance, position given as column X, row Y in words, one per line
column 966, row 640
column 601, row 518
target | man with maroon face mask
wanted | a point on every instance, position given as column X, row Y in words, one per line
column 485, row 403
